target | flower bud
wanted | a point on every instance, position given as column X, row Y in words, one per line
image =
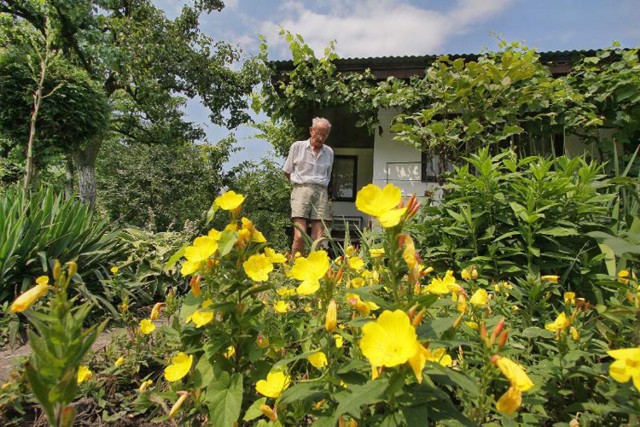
column 179, row 402
column 331, row 320
column 416, row 321
column 57, row 268
column 195, row 285
column 269, row 413
column 72, row 267
column 458, row 320
column 68, row 416
column 483, row 332
column 502, row 339
column 412, row 311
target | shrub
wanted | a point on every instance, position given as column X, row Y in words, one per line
column 40, row 226
column 512, row 217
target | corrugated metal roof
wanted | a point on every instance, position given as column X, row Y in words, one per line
column 413, row 60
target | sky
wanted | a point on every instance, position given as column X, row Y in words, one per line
column 374, row 28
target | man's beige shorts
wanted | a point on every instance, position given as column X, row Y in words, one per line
column 310, row 201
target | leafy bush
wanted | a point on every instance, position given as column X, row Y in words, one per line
column 512, row 217
column 40, row 226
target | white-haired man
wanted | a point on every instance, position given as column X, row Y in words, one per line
column 308, row 168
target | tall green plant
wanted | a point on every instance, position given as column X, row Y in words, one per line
column 515, row 216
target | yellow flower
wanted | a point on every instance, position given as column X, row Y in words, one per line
column 231, row 351
column 559, row 324
column 440, row 356
column 331, row 319
column 286, row 292
column 465, row 275
column 626, row 365
column 274, row 385
column 42, row 280
column 114, row 270
column 357, row 282
column 119, row 362
column 570, row 298
column 510, row 401
column 381, row 203
column 418, row 360
column 389, row 341
column 514, row 373
column 145, row 385
column 356, row 263
column 318, row 359
column 274, row 257
column 207, row 303
column 229, row 201
column 550, row 278
column 147, row 326
column 623, row 276
column 575, row 335
column 376, row 253
column 262, row 342
column 339, row 340
column 176, row 406
column 442, row 286
column 310, row 270
column 201, row 318
column 28, row 298
column 472, row 325
column 180, row 366
column 281, row 307
column 258, row 267
column 155, row 311
column 364, row 308
column 84, row 374
column 479, row 298
column 203, row 247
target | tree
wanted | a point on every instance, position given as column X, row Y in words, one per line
column 146, row 65
column 73, row 110
column 159, row 187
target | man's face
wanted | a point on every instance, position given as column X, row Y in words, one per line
column 319, row 134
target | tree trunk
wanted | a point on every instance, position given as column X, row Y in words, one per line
column 69, row 174
column 85, row 167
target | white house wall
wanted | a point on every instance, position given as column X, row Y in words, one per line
column 397, row 163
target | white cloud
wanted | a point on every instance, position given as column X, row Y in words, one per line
column 365, row 28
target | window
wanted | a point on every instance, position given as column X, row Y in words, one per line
column 343, row 178
column 432, row 169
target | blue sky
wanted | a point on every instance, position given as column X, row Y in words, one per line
column 371, row 28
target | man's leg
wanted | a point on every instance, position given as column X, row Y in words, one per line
column 317, row 229
column 298, row 240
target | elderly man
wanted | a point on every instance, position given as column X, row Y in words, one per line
column 308, row 168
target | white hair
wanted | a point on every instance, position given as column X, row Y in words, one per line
column 317, row 120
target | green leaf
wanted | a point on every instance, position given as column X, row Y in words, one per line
column 40, row 391
column 303, row 391
column 349, row 401
column 254, row 410
column 559, row 231
column 535, row 332
column 174, row 258
column 228, row 238
column 224, row 399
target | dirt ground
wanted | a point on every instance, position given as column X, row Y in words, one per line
column 9, row 358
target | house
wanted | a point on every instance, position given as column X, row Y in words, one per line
column 362, row 158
